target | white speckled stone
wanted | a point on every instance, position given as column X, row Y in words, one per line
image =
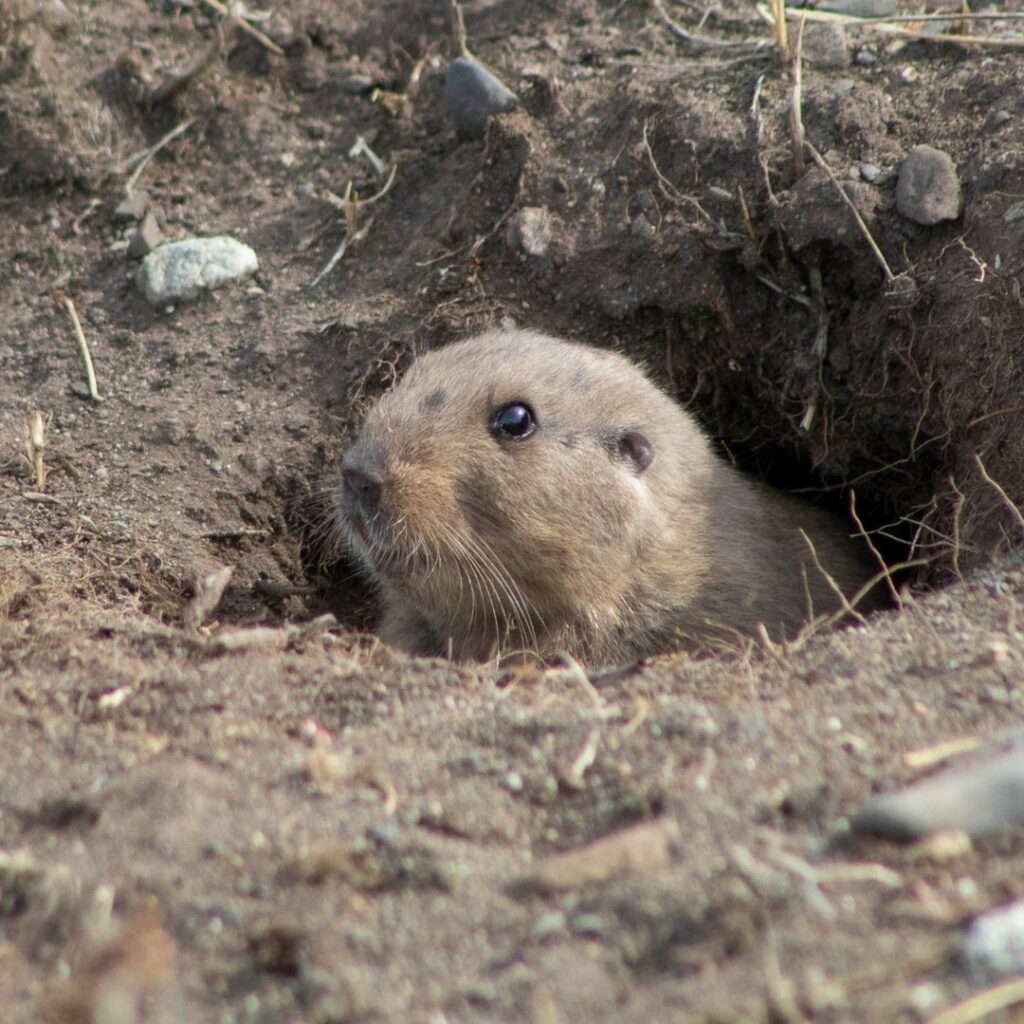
column 183, row 270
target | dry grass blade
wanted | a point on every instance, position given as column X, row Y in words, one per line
column 693, row 39
column 83, row 345
column 35, row 445
column 882, row 262
column 350, row 209
column 848, row 608
column 362, row 148
column 983, row 1004
column 668, row 190
column 893, row 591
column 796, row 120
column 577, row 672
column 146, row 155
column 777, row 17
column 892, row 25
column 245, row 26
column 928, row 757
column 459, row 30
column 573, row 775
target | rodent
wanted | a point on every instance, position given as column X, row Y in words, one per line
column 515, row 493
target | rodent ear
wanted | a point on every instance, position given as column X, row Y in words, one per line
column 636, row 447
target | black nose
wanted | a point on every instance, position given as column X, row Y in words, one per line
column 364, row 487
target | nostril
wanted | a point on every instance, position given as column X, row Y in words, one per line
column 365, row 488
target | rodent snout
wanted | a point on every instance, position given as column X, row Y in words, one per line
column 364, row 487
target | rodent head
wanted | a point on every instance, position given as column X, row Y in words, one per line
column 507, row 489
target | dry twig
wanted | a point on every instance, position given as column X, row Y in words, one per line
column 848, row 609
column 83, row 345
column 668, row 190
column 983, row 1004
column 350, row 207
column 459, row 30
column 573, row 775
column 891, row 25
column 241, row 21
column 820, row 161
column 362, row 148
column 894, row 592
column 823, row 622
column 35, row 445
column 693, row 39
column 1007, row 500
column 144, row 156
column 796, row 120
column 577, row 672
column 777, row 17
column 928, row 757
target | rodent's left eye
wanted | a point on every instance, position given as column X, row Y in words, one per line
column 515, row 420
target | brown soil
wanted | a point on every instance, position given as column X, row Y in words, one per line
column 306, row 827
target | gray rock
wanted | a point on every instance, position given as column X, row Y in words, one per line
column 862, row 8
column 473, row 94
column 840, row 88
column 642, row 227
column 928, row 189
column 145, row 238
column 530, row 230
column 132, row 207
column 982, row 799
column 870, row 172
column 182, row 270
column 994, row 944
column 825, row 45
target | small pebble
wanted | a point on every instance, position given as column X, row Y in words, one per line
column 870, row 172
column 529, row 229
column 473, row 95
column 550, row 923
column 642, row 227
column 982, row 799
column 994, row 944
column 183, row 270
column 925, row 998
column 825, row 45
column 840, row 87
column 865, row 58
column 358, row 85
column 132, row 207
column 928, row 189
column 145, row 238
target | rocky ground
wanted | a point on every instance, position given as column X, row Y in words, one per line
column 268, row 817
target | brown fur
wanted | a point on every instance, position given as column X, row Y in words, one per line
column 484, row 546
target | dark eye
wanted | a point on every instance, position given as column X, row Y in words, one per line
column 514, row 420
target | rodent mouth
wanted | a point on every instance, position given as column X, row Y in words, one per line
column 386, row 561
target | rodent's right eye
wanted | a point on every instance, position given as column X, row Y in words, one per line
column 515, row 421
